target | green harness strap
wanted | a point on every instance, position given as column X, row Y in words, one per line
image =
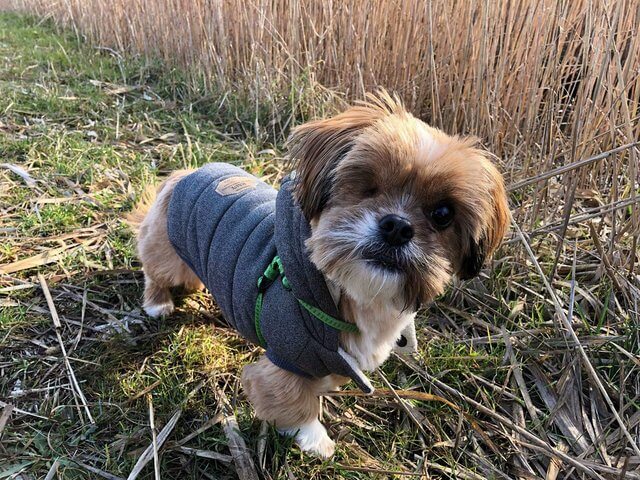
column 271, row 273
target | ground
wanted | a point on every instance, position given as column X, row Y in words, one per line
column 82, row 133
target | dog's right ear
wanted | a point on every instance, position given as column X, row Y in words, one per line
column 317, row 147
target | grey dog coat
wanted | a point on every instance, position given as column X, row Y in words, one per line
column 227, row 226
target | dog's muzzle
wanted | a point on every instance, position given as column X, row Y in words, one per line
column 385, row 257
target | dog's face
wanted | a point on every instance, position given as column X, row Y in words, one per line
column 396, row 207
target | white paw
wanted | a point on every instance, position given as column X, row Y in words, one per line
column 159, row 309
column 312, row 438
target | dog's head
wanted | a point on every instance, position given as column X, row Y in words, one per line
column 396, row 207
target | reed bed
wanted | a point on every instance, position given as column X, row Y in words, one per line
column 541, row 356
column 555, row 78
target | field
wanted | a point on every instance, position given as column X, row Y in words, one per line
column 530, row 371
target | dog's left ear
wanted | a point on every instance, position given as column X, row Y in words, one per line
column 495, row 223
column 317, row 147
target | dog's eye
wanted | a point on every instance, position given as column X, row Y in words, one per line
column 442, row 215
column 371, row 192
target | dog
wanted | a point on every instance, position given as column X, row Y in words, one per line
column 381, row 212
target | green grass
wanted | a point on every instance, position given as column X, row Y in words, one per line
column 93, row 130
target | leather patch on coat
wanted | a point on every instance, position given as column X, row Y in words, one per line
column 233, row 185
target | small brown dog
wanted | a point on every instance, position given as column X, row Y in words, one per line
column 395, row 208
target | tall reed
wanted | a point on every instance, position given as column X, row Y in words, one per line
column 542, row 83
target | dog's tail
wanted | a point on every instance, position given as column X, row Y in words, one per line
column 152, row 192
column 134, row 218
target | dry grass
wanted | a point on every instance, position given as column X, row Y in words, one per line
column 543, row 77
column 540, row 357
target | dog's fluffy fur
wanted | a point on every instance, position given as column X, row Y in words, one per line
column 372, row 160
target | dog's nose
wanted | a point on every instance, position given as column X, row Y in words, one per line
column 395, row 230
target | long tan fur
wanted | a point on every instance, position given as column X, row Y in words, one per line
column 163, row 268
column 371, row 161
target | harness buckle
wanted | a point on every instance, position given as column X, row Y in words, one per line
column 272, row 272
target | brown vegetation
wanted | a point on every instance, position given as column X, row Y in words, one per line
column 541, row 354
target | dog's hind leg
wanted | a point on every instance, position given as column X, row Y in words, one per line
column 162, row 266
column 157, row 282
column 157, row 299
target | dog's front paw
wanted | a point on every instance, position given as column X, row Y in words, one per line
column 322, row 447
column 312, row 438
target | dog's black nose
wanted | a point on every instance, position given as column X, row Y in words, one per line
column 395, row 230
